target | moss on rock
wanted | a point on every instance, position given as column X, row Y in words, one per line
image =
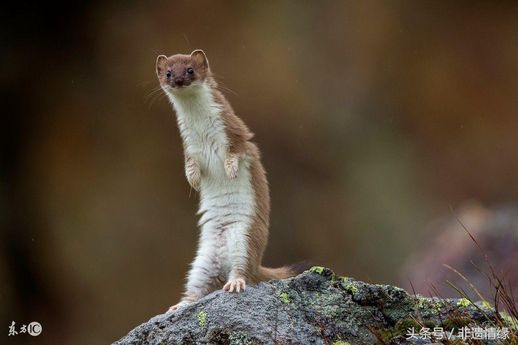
column 285, row 298
column 463, row 302
column 202, row 318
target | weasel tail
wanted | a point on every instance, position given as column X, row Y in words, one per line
column 225, row 168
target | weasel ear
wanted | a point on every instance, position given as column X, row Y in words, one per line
column 161, row 62
column 200, row 58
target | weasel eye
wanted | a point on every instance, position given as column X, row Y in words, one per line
column 168, row 74
column 190, row 70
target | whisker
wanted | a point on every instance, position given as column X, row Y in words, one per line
column 225, row 88
column 155, row 98
column 146, row 82
column 186, row 39
column 153, row 92
column 217, row 76
column 150, row 101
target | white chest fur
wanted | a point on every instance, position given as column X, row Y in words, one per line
column 201, row 128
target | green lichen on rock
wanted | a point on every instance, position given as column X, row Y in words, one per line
column 317, row 269
column 486, row 305
column 430, row 307
column 323, row 271
column 420, row 302
column 347, row 284
column 202, row 318
column 340, row 342
column 463, row 302
column 285, row 298
column 240, row 338
column 509, row 321
column 437, row 306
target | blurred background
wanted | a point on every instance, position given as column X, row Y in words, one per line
column 380, row 123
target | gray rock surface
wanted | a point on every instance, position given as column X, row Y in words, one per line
column 315, row 307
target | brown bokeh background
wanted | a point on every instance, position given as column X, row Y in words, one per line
column 373, row 117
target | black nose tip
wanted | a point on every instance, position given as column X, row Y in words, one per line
column 178, row 82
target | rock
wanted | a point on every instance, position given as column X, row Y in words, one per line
column 315, row 307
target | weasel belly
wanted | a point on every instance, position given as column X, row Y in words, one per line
column 227, row 209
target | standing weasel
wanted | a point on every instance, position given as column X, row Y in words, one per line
column 224, row 166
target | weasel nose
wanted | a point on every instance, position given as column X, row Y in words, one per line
column 178, row 81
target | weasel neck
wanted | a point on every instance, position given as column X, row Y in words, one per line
column 194, row 103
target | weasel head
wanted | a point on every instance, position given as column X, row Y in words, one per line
column 181, row 74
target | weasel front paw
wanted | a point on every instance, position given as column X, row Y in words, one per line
column 236, row 284
column 193, row 174
column 194, row 179
column 231, row 165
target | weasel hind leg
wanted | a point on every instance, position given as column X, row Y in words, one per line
column 193, row 294
column 238, row 256
column 203, row 278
